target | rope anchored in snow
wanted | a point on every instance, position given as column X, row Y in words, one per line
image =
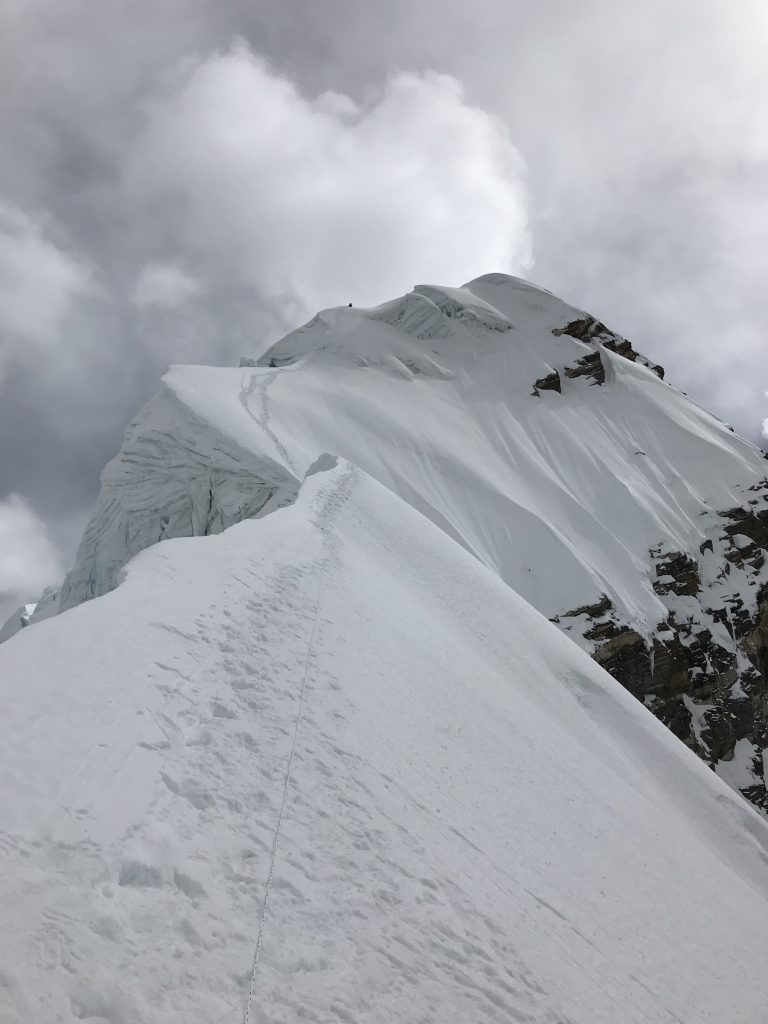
column 276, row 839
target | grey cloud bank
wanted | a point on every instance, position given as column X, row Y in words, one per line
column 185, row 181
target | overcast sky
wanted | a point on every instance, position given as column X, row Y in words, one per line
column 185, row 180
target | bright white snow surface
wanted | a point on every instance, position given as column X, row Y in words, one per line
column 561, row 495
column 479, row 823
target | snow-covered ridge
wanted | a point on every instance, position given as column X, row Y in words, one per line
column 532, row 435
column 430, row 337
column 588, row 478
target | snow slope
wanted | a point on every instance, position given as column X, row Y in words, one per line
column 476, row 823
column 579, row 498
column 434, row 401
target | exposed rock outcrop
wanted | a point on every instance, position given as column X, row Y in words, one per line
column 549, row 383
column 676, row 573
column 704, row 670
column 590, row 366
column 593, row 331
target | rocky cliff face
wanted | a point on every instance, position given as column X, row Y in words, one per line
column 704, row 671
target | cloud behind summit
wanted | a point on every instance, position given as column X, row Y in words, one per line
column 184, row 181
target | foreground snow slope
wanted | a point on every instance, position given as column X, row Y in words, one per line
column 479, row 823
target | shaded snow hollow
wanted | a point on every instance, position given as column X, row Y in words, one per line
column 476, row 823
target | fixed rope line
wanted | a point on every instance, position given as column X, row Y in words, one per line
column 276, row 839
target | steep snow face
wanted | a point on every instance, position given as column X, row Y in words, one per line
column 333, row 735
column 530, row 434
column 175, row 476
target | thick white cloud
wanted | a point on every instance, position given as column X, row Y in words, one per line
column 216, row 204
column 315, row 201
column 29, row 560
column 39, row 282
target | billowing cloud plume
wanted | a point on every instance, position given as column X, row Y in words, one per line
column 29, row 559
column 39, row 284
column 319, row 200
column 235, row 205
column 198, row 210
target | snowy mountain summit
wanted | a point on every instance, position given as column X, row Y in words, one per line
column 529, row 433
column 320, row 755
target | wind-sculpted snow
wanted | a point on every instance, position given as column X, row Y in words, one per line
column 174, row 477
column 17, row 621
column 476, row 823
column 462, row 304
column 414, row 314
